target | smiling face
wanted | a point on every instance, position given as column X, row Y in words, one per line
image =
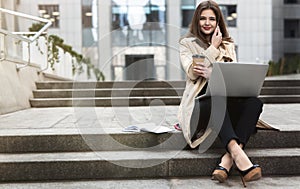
column 208, row 21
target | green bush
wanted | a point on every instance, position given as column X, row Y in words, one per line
column 292, row 65
column 284, row 66
column 54, row 42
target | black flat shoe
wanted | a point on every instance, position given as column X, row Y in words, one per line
column 251, row 174
column 220, row 173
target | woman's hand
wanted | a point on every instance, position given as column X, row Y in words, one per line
column 216, row 39
column 202, row 70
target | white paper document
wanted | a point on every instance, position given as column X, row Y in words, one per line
column 148, row 127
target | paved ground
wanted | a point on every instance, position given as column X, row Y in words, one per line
column 174, row 183
column 115, row 119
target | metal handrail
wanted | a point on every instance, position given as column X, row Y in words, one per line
column 33, row 38
column 18, row 35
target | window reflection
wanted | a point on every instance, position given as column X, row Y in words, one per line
column 50, row 12
column 89, row 23
column 291, row 1
column 187, row 10
column 138, row 21
column 188, row 7
column 230, row 14
column 292, row 28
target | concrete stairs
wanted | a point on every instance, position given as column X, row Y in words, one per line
column 65, row 156
column 38, row 151
column 281, row 91
column 107, row 94
column 47, row 154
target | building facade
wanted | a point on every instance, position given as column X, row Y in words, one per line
column 286, row 29
column 138, row 39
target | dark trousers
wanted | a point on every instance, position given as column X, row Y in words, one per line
column 234, row 118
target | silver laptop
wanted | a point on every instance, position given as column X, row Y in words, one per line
column 236, row 79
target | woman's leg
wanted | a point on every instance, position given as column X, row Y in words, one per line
column 250, row 111
column 226, row 134
column 243, row 114
column 239, row 156
column 200, row 117
column 248, row 171
column 234, row 135
column 226, row 161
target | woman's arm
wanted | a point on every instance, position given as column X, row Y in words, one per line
column 233, row 52
column 187, row 49
column 186, row 59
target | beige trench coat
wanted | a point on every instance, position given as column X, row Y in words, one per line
column 188, row 47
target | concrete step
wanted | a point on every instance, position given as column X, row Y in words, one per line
column 144, row 84
column 281, row 82
column 280, row 91
column 121, row 92
column 141, row 92
column 105, row 101
column 277, row 99
column 124, row 92
column 109, row 84
column 135, row 164
column 92, row 139
column 138, row 101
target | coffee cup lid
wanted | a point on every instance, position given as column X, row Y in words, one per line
column 198, row 56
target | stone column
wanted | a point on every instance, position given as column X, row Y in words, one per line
column 104, row 41
column 174, row 71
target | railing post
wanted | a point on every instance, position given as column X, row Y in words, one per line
column 28, row 61
column 2, row 47
column 47, row 63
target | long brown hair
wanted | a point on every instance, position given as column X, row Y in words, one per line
column 195, row 30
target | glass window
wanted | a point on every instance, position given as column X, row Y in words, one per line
column 89, row 23
column 291, row 1
column 292, row 28
column 230, row 14
column 139, row 22
column 188, row 7
column 130, row 12
column 291, row 55
column 87, row 16
column 50, row 12
column 187, row 11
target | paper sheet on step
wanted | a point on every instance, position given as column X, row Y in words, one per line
column 148, row 127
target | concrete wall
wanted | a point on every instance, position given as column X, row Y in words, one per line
column 255, row 30
column 16, row 86
column 291, row 45
column 278, row 30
